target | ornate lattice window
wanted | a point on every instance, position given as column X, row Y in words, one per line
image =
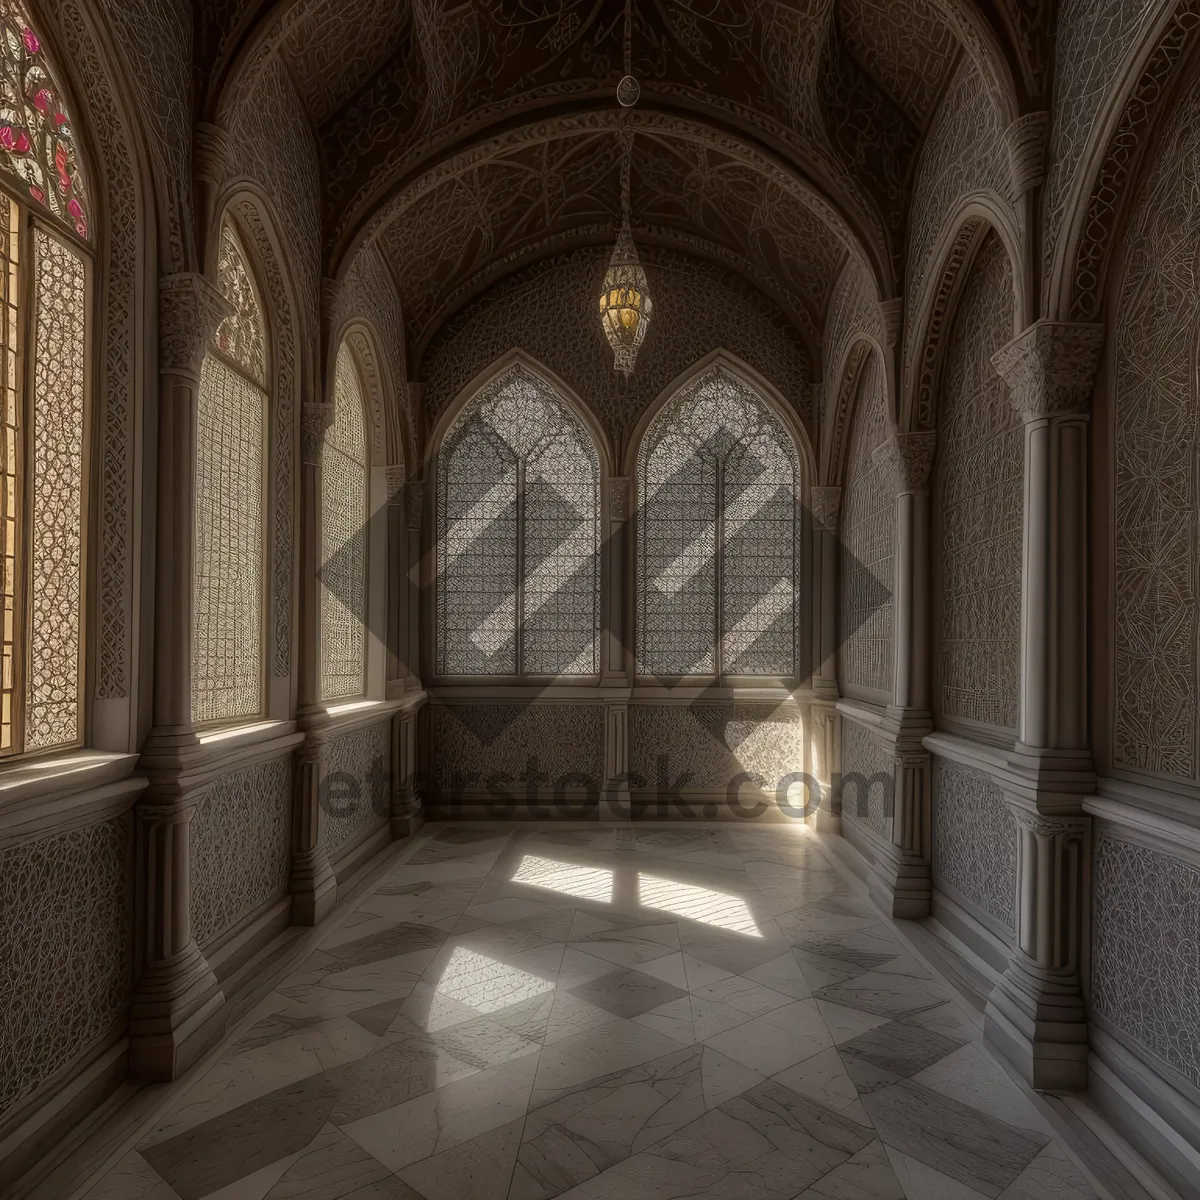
column 518, row 525
column 227, row 639
column 344, row 537
column 44, row 281
column 718, row 535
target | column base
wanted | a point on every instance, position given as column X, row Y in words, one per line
column 824, row 820
column 177, row 1014
column 615, row 807
column 406, row 824
column 901, row 885
column 313, row 887
column 1037, row 1021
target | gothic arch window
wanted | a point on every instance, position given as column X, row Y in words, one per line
column 229, row 552
column 518, row 535
column 344, row 510
column 718, row 535
column 45, row 279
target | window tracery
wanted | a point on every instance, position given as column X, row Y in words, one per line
column 344, row 537
column 718, row 535
column 43, row 314
column 227, row 641
column 518, row 524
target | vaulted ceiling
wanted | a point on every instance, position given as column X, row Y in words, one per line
column 472, row 136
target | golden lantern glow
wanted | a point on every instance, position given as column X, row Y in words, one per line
column 625, row 304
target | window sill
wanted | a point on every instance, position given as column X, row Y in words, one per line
column 63, row 774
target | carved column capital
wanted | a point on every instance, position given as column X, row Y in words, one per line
column 414, row 503
column 1026, row 140
column 1050, row 368
column 314, row 420
column 826, row 502
column 908, row 459
column 394, row 478
column 190, row 307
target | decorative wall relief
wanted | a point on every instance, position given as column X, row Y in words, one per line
column 710, row 744
column 868, row 529
column 493, row 746
column 241, row 846
column 1155, row 506
column 978, row 499
column 356, row 785
column 870, row 769
column 1146, row 950
column 974, row 840
column 65, row 949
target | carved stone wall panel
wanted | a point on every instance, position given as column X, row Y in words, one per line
column 1092, row 39
column 1156, row 511
column 120, row 347
column 712, row 743
column 868, row 530
column 964, row 152
column 355, row 788
column 868, row 779
column 65, row 949
column 974, row 840
column 549, row 311
column 156, row 37
column 241, row 846
column 979, row 487
column 480, row 745
column 1146, row 950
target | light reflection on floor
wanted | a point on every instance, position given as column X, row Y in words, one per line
column 590, row 883
column 718, row 909
column 486, row 985
column 697, row 904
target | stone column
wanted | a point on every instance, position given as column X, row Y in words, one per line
column 414, row 514
column 408, row 814
column 614, row 648
column 395, row 624
column 823, row 723
column 313, row 886
column 615, row 804
column 1036, row 1015
column 177, row 992
column 904, row 887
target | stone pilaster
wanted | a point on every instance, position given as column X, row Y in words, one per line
column 414, row 518
column 615, row 803
column 903, row 886
column 176, row 1004
column 397, row 582
column 313, row 885
column 1036, row 1014
column 825, row 765
column 614, row 648
column 826, row 503
column 408, row 813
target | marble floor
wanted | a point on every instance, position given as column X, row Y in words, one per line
column 636, row 1013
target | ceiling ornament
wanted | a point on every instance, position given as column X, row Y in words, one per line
column 625, row 304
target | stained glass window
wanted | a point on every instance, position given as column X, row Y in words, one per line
column 227, row 638
column 718, row 535
column 37, row 145
column 344, row 537
column 518, row 524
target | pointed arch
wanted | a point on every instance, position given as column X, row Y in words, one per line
column 721, row 471
column 518, row 475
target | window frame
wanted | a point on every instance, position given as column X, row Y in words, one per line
column 266, row 388
column 32, row 218
column 801, row 455
column 449, row 421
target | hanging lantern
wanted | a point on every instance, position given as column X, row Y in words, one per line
column 625, row 304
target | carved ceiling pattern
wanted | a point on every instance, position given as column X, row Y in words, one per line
column 499, row 209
